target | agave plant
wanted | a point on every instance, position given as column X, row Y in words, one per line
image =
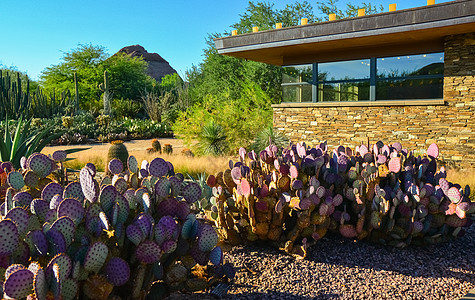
column 23, row 142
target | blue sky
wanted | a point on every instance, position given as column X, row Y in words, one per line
column 36, row 33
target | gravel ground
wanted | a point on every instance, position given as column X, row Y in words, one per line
column 337, row 268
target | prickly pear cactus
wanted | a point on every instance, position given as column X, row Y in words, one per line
column 293, row 196
column 89, row 240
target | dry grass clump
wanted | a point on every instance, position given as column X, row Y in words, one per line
column 182, row 162
column 463, row 177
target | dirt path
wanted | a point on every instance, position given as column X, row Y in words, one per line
column 134, row 147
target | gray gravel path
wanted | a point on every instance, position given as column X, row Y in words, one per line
column 337, row 268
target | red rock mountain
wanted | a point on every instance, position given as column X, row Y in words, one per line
column 157, row 66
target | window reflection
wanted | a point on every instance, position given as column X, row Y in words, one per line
column 410, row 65
column 297, row 93
column 409, row 89
column 343, row 91
column 344, row 70
column 294, row 74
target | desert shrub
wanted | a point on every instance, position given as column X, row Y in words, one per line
column 240, row 119
column 122, row 108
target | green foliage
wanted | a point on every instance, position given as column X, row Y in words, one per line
column 24, row 142
column 351, row 10
column 212, row 140
column 126, row 75
column 241, row 119
column 127, row 108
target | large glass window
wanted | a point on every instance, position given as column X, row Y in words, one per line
column 410, row 77
column 386, row 78
column 297, row 83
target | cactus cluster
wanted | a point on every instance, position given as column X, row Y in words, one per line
column 132, row 234
column 292, row 197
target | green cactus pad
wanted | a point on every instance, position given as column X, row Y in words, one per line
column 69, row 289
column 65, row 265
column 120, row 184
column 148, row 252
column 19, row 284
column 208, row 238
column 9, row 237
column 131, row 199
column 107, row 197
column 95, row 257
column 93, row 211
column 104, row 221
column 124, row 209
column 72, row 208
column 454, row 195
column 132, row 164
column 74, row 190
column 66, row 226
column 216, row 256
column 40, row 287
column 15, row 180
column 190, row 228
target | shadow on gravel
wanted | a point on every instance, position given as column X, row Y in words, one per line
column 454, row 258
column 281, row 295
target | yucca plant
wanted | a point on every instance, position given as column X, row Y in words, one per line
column 212, row 139
column 24, row 142
column 268, row 136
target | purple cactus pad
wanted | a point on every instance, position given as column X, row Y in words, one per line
column 192, row 192
column 59, row 155
column 148, row 252
column 71, row 208
column 117, row 271
column 116, row 166
column 19, row 284
column 158, row 167
column 208, row 238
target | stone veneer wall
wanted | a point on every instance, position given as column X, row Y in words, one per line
column 451, row 126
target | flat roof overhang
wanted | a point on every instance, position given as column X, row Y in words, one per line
column 409, row 31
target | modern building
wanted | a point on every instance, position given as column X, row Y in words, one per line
column 406, row 75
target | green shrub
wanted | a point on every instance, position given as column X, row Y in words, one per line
column 240, row 119
column 122, row 108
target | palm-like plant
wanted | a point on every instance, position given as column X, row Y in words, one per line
column 212, row 139
column 269, row 136
column 23, row 142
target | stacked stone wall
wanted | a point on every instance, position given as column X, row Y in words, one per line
column 451, row 126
